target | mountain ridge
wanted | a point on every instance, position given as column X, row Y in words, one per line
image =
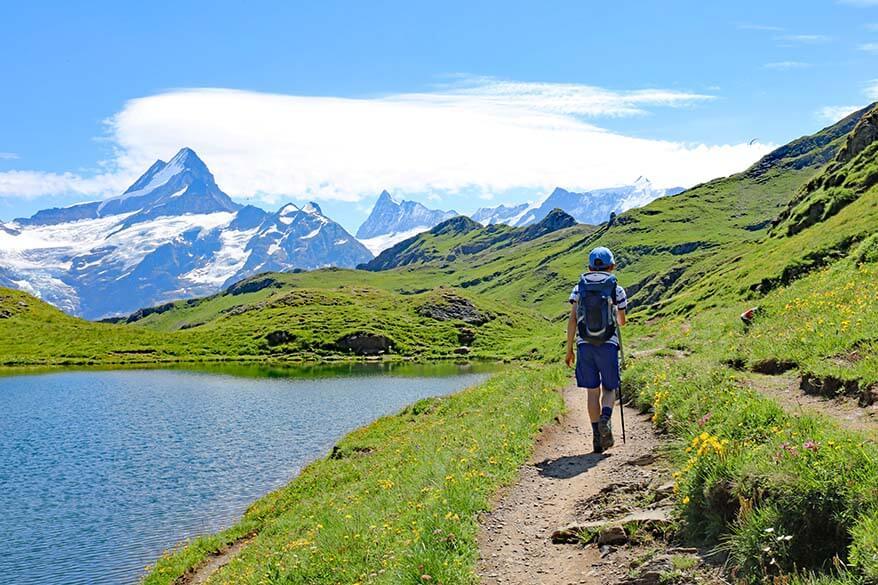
column 172, row 234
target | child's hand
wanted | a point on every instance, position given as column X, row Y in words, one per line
column 570, row 359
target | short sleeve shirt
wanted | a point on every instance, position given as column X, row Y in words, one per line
column 621, row 302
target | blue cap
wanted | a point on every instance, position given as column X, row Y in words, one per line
column 600, row 258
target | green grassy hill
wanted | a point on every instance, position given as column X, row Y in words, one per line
column 269, row 317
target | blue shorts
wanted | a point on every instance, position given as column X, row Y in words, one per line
column 597, row 365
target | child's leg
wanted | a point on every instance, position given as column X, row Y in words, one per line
column 608, row 399
column 594, row 404
column 608, row 364
column 588, row 377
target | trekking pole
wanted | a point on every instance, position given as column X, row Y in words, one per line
column 621, row 365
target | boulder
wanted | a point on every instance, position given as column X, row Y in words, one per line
column 612, row 535
column 466, row 336
column 643, row 460
column 279, row 337
column 452, row 307
column 363, row 343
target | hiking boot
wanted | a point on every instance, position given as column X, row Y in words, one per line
column 597, row 445
column 605, row 430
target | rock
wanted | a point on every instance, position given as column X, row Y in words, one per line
column 4, row 314
column 251, row 285
column 452, row 307
column 643, row 460
column 363, row 343
column 612, row 535
column 663, row 491
column 864, row 134
column 656, row 519
column 279, row 337
column 644, row 578
column 565, row 536
column 461, row 350
column 142, row 313
column 466, row 336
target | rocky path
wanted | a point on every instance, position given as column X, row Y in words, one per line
column 845, row 410
column 564, row 485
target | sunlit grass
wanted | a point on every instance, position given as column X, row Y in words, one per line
column 399, row 501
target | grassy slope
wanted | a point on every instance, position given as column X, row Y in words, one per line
column 782, row 494
column 315, row 318
column 399, row 501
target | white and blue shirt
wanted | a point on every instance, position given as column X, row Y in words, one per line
column 621, row 302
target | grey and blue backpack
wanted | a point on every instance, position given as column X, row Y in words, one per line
column 595, row 314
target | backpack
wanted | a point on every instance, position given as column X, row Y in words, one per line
column 595, row 313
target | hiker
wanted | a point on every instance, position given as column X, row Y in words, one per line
column 598, row 306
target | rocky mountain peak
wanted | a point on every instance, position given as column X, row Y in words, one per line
column 312, row 208
column 390, row 216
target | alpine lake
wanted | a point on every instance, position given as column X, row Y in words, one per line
column 103, row 470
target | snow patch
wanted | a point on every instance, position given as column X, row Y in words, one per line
column 312, row 233
column 379, row 243
column 228, row 260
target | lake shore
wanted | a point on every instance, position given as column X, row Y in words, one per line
column 395, row 500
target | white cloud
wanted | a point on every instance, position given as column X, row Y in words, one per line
column 869, row 47
column 486, row 135
column 872, row 90
column 29, row 184
column 804, row 39
column 859, row 2
column 786, row 65
column 8, row 156
column 833, row 114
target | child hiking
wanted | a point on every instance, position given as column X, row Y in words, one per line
column 598, row 306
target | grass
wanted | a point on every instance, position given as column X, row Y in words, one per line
column 313, row 321
column 781, row 494
column 400, row 499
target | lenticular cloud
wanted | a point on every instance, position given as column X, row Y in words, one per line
column 488, row 135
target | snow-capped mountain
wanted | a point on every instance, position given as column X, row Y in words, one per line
column 393, row 221
column 173, row 234
column 500, row 214
column 593, row 207
column 183, row 185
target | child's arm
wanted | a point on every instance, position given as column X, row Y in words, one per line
column 571, row 336
column 620, row 316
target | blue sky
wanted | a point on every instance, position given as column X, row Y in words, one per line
column 457, row 104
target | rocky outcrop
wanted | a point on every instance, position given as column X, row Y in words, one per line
column 807, row 151
column 453, row 307
column 251, row 285
column 279, row 337
column 864, row 134
column 364, row 343
column 557, row 219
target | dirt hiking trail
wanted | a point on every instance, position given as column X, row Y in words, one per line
column 786, row 390
column 565, row 484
